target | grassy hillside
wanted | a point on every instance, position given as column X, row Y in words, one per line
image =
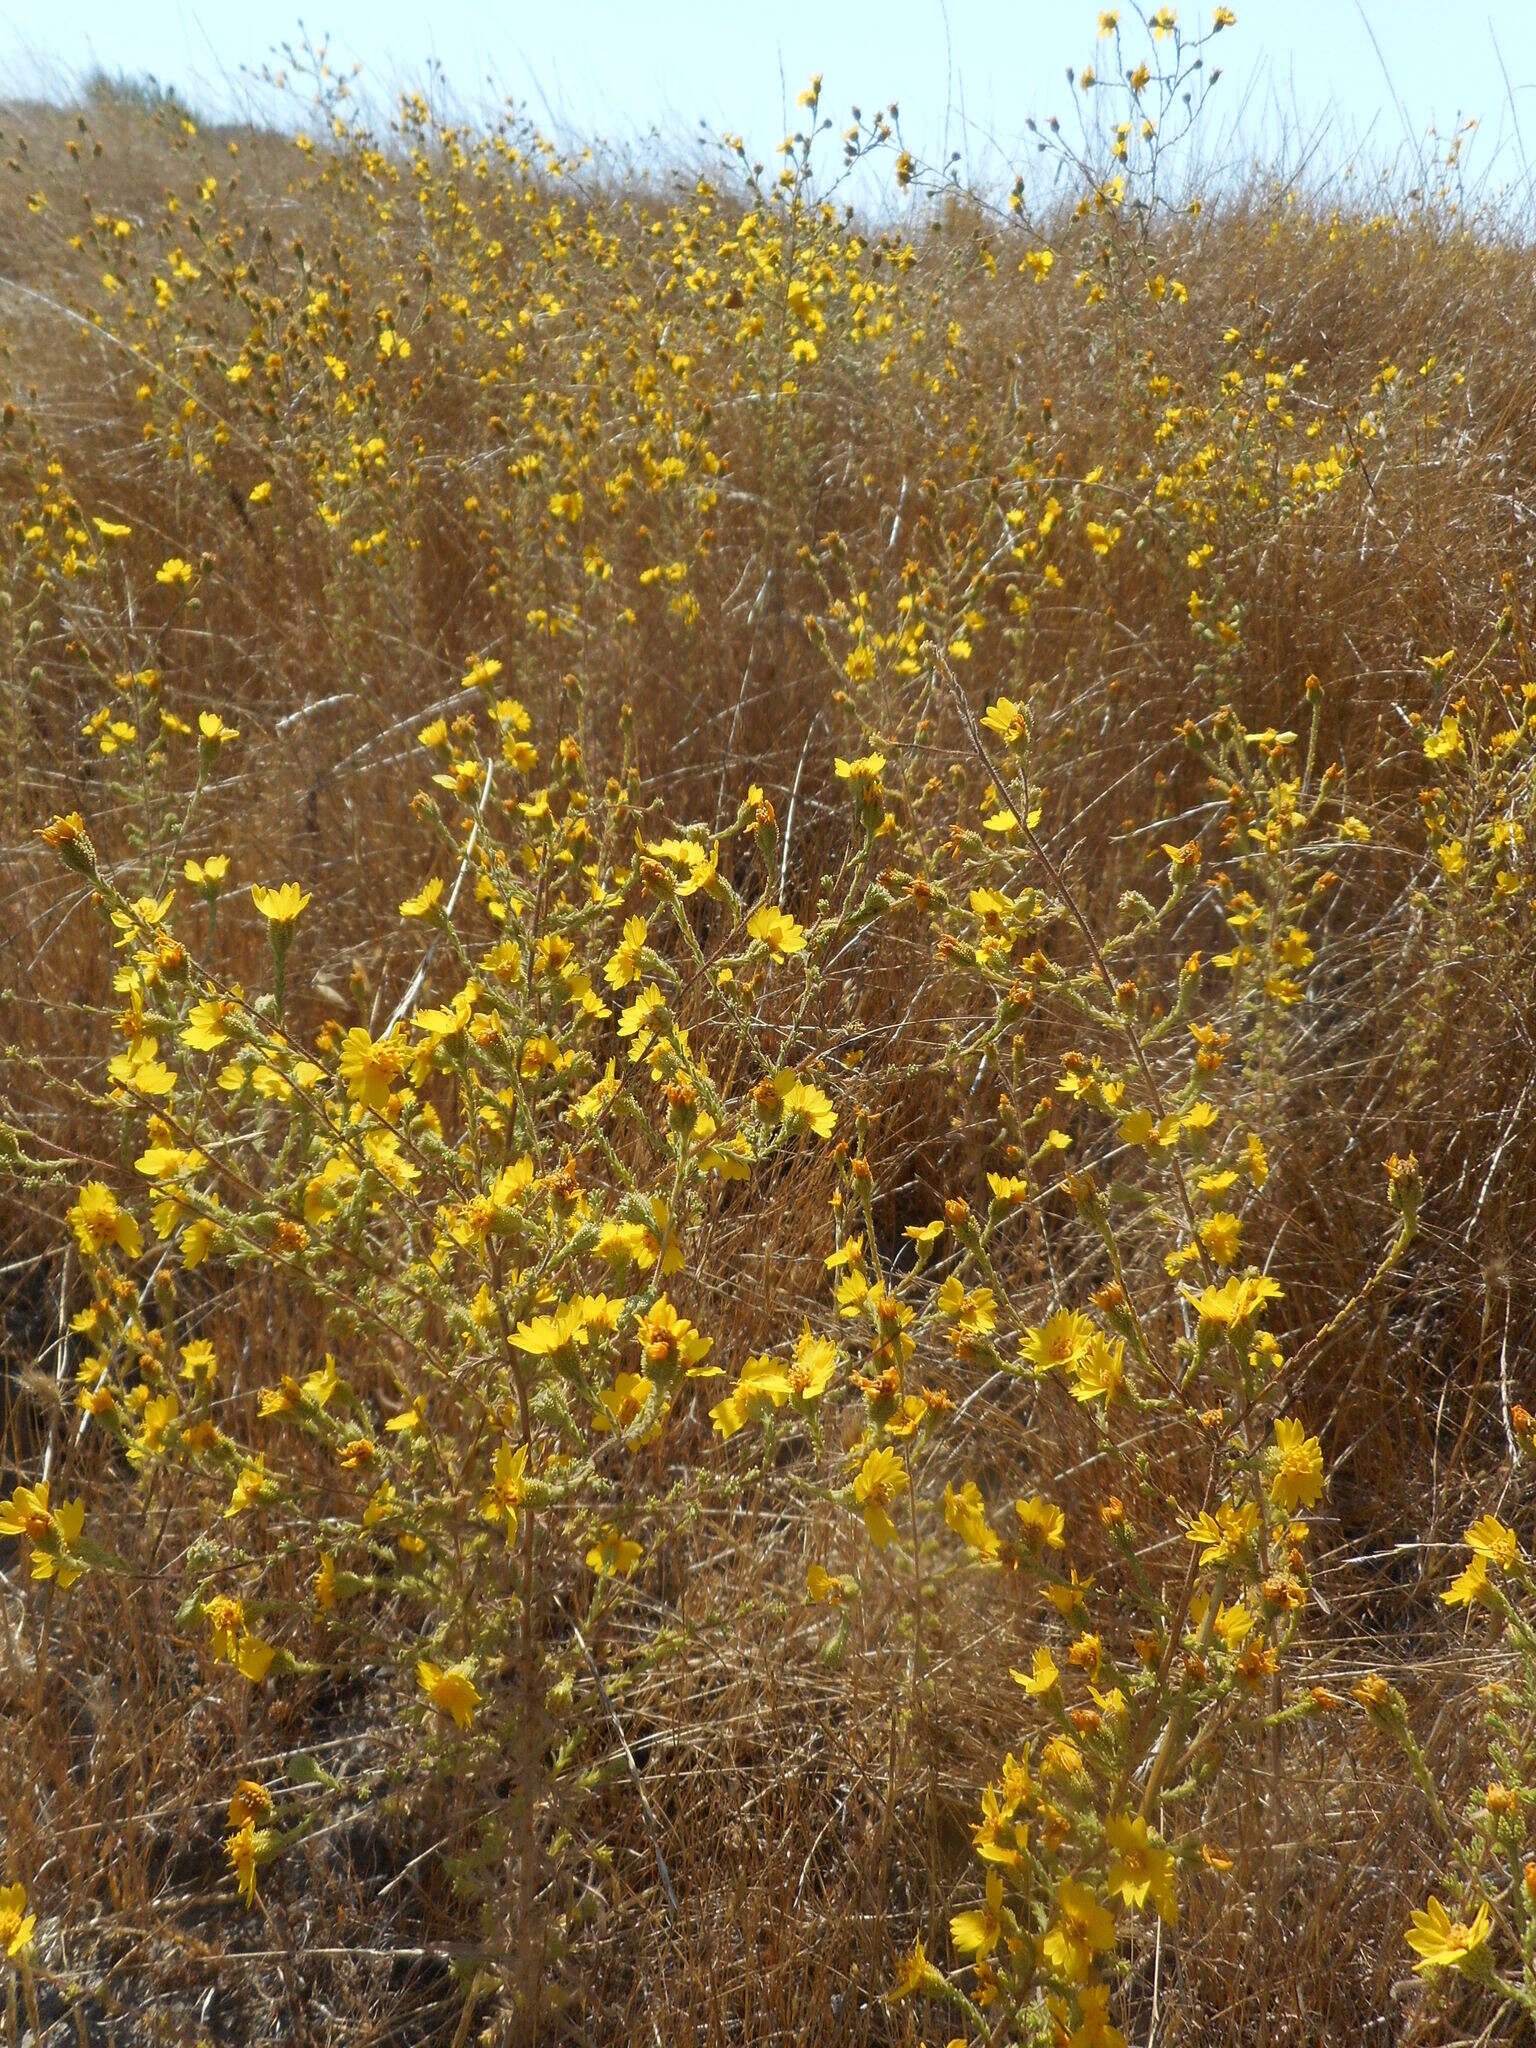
column 767, row 1097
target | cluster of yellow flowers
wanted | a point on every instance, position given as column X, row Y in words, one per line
column 521, row 1256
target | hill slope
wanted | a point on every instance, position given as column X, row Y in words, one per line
column 768, row 1098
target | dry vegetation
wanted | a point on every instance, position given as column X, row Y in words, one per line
column 1053, row 682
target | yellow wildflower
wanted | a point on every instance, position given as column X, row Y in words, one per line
column 881, row 1480
column 451, row 1689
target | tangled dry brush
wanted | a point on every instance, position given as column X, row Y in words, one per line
column 769, row 1142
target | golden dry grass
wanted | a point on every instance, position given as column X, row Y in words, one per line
column 809, row 1799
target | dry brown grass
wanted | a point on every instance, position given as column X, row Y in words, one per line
column 748, row 1753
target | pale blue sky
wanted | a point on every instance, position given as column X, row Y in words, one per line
column 979, row 66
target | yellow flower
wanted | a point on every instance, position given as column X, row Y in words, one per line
column 1447, row 742
column 865, row 770
column 1095, row 2029
column 1235, row 1302
column 966, row 1515
column 914, row 1973
column 66, row 834
column 280, row 906
column 613, row 1555
column 97, row 1221
column 206, row 1028
column 282, row 1399
column 1442, row 1943
column 250, row 1483
column 766, row 1383
column 138, row 1069
column 669, row 1340
column 1059, row 1344
column 978, row 1932
column 246, row 1847
column 1221, row 1234
column 1043, row 1523
column 776, row 930
column 505, row 1495
column 1005, row 717
column 1489, row 1539
column 1471, row 1587
column 1234, row 1625
column 451, row 1689
column 811, row 1369
column 174, row 570
column 253, row 1658
column 1141, row 1869
column 1042, row 1678
column 1222, row 1535
column 1082, row 1928
column 623, row 967
column 1297, row 1479
column 200, row 1364
column 16, row 1923
column 1101, row 1375
column 154, row 1428
column 370, row 1069
column 825, row 1588
column 52, row 1531
column 26, row 1513
column 974, row 1314
column 213, row 733
column 250, row 1801
column 803, row 1107
column 225, row 1617
column 425, row 899
column 997, row 1837
column 544, row 1335
column 881, row 1479
column 620, row 1406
